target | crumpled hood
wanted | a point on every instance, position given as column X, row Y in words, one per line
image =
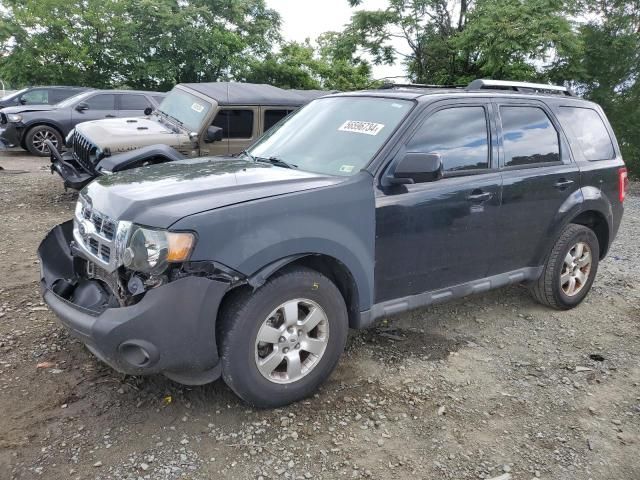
column 27, row 108
column 160, row 195
column 124, row 134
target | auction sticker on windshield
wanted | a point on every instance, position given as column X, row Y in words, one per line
column 355, row 126
column 197, row 107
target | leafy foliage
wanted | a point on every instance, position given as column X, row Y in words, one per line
column 143, row 44
column 332, row 65
column 608, row 69
column 455, row 42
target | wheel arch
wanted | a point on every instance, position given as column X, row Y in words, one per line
column 597, row 222
column 39, row 123
column 329, row 266
column 587, row 206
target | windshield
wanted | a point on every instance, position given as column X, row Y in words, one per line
column 335, row 135
column 72, row 100
column 14, row 94
column 187, row 109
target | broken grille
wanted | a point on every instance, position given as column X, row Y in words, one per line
column 96, row 233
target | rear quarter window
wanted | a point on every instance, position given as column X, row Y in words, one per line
column 588, row 132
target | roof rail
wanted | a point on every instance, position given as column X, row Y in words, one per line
column 387, row 86
column 483, row 84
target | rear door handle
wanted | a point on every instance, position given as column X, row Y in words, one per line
column 479, row 196
column 109, row 116
column 562, row 184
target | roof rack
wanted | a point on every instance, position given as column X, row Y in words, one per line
column 388, row 86
column 523, row 87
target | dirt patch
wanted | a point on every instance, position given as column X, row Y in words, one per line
column 466, row 390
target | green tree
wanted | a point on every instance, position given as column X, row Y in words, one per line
column 424, row 28
column 452, row 42
column 136, row 43
column 608, row 68
column 333, row 65
column 518, row 39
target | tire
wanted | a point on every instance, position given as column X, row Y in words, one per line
column 246, row 314
column 554, row 287
column 36, row 136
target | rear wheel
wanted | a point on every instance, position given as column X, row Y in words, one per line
column 35, row 140
column 570, row 269
column 280, row 342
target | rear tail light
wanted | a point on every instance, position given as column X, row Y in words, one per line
column 623, row 183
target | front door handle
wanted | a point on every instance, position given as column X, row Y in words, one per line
column 562, row 184
column 479, row 196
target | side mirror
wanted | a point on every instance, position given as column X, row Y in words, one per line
column 22, row 101
column 148, row 111
column 214, row 134
column 417, row 168
column 82, row 106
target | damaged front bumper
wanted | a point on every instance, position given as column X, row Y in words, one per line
column 170, row 330
column 9, row 136
column 65, row 165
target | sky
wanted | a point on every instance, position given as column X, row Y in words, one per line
column 303, row 19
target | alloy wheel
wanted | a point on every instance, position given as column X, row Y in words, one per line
column 292, row 341
column 576, row 269
column 40, row 137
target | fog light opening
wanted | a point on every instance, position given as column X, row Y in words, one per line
column 135, row 355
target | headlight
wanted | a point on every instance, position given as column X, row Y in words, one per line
column 150, row 250
column 15, row 118
column 68, row 141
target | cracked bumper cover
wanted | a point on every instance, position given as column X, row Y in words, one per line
column 173, row 323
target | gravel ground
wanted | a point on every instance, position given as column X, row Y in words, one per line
column 489, row 386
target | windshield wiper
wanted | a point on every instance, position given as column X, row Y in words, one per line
column 275, row 161
column 170, row 116
column 246, row 153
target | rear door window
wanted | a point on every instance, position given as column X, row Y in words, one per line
column 528, row 136
column 104, row 101
column 273, row 116
column 589, row 132
column 458, row 134
column 39, row 96
column 130, row 101
column 235, row 123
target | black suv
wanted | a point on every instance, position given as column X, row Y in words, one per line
column 358, row 206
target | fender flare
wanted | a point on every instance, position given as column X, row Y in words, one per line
column 583, row 200
column 361, row 273
column 126, row 160
column 260, row 277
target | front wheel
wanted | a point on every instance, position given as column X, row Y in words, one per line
column 35, row 140
column 570, row 269
column 280, row 342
